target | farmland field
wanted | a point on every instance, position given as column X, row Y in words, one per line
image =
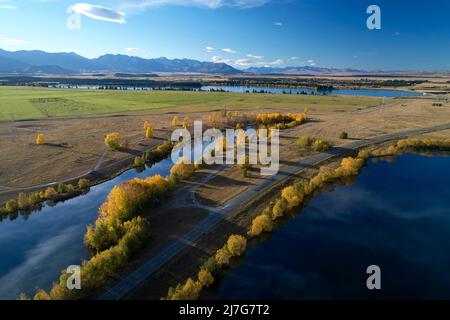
column 39, row 103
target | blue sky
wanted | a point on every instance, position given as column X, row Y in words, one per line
column 414, row 35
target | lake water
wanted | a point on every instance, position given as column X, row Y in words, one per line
column 273, row 90
column 36, row 247
column 34, row 251
column 395, row 215
column 353, row 92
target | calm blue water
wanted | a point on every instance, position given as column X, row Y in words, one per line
column 396, row 216
column 243, row 89
column 34, row 251
column 358, row 92
column 35, row 248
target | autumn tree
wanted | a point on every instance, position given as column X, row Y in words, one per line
column 303, row 142
column 186, row 122
column 83, row 183
column 260, row 224
column 149, row 132
column 320, row 145
column 175, row 121
column 40, row 139
column 236, row 245
column 292, row 197
column 206, row 278
column 223, row 256
column 113, row 140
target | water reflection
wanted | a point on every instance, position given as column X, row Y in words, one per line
column 395, row 215
column 36, row 246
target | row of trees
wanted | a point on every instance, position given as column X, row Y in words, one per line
column 235, row 246
column 294, row 195
column 33, row 200
column 119, row 231
column 414, row 145
column 269, row 119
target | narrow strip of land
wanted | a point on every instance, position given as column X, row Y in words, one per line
column 127, row 284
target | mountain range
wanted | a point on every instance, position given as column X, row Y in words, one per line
column 62, row 63
column 71, row 63
column 305, row 70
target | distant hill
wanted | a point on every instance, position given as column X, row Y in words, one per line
column 70, row 63
column 305, row 70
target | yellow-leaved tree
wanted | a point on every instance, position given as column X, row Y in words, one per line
column 175, row 121
column 40, row 139
column 113, row 140
column 149, row 132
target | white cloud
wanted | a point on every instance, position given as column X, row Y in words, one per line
column 278, row 24
column 245, row 63
column 210, row 4
column 311, row 62
column 217, row 59
column 209, row 49
column 99, row 12
column 293, row 58
column 254, row 56
column 12, row 42
column 228, row 50
column 276, row 62
column 135, row 50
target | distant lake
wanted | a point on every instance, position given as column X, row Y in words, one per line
column 272, row 90
column 353, row 92
column 395, row 215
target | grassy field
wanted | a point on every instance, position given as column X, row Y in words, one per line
column 38, row 103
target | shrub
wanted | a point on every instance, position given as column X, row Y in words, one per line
column 350, row 167
column 11, row 206
column 303, row 142
column 83, row 183
column 205, row 278
column 223, row 256
column 182, row 170
column 103, row 236
column 344, row 135
column 50, row 193
column 189, row 291
column 23, row 201
column 40, row 139
column 70, row 188
column 279, row 208
column 236, row 245
column 139, row 161
column 260, row 224
column 320, row 146
column 113, row 140
column 41, row 295
column 363, row 154
column 211, row 266
column 61, row 188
